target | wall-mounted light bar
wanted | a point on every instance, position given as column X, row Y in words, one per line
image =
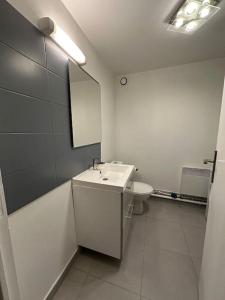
column 192, row 15
column 49, row 28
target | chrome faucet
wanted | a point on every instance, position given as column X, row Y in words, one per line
column 95, row 163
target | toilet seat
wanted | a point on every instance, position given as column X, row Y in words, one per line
column 140, row 188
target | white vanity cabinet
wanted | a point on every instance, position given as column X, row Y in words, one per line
column 103, row 211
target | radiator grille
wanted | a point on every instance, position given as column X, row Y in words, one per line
column 195, row 183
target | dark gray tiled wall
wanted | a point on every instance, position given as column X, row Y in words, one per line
column 36, row 153
column 22, row 75
column 18, row 33
column 56, row 59
column 13, row 118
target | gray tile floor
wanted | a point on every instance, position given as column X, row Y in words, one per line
column 162, row 259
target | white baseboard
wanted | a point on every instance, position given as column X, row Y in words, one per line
column 58, row 280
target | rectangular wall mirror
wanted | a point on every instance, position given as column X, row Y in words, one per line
column 85, row 97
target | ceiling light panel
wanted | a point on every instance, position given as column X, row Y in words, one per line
column 192, row 14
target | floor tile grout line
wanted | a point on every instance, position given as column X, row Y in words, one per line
column 85, row 280
column 192, row 261
column 142, row 269
column 81, row 287
column 104, row 280
column 179, row 253
column 162, row 219
column 143, row 252
column 109, row 282
column 182, row 227
column 185, row 239
column 170, row 251
column 193, row 226
column 114, row 284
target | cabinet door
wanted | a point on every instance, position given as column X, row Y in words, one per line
column 98, row 220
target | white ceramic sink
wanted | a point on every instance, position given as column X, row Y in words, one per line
column 108, row 176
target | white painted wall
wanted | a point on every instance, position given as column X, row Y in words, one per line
column 168, row 118
column 43, row 240
column 9, row 288
column 33, row 10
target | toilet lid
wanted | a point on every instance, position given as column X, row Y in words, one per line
column 140, row 188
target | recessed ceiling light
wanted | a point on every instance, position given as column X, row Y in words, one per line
column 192, row 14
column 204, row 12
column 191, row 26
column 180, row 12
column 206, row 2
column 191, row 7
column 179, row 22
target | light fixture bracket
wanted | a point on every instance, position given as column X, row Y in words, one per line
column 46, row 25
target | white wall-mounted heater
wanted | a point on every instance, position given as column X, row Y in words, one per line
column 195, row 183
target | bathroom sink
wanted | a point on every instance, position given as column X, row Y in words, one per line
column 108, row 176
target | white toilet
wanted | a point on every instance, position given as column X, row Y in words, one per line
column 141, row 193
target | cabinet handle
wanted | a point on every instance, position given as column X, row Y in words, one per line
column 129, row 190
column 130, row 211
column 129, row 186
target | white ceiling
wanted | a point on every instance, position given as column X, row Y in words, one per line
column 132, row 36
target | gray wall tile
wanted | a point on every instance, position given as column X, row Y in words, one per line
column 22, row 75
column 71, row 161
column 61, row 119
column 75, row 161
column 58, row 91
column 63, row 144
column 23, row 187
column 57, row 60
column 21, row 151
column 20, row 114
column 20, row 34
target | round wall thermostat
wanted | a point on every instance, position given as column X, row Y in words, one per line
column 123, row 81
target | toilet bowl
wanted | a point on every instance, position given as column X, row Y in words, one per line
column 141, row 192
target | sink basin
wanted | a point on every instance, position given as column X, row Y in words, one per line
column 108, row 176
column 114, row 172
